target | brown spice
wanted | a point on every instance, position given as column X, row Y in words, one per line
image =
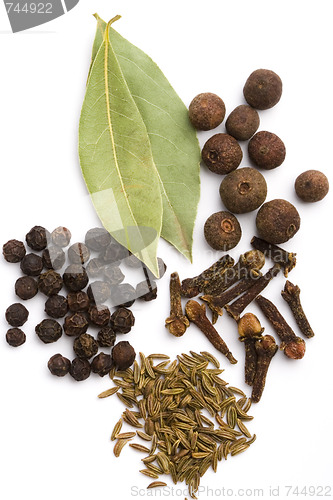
column 266, row 348
column 311, row 186
column 222, row 231
column 197, row 314
column 266, row 150
column 292, row 346
column 191, row 287
column 243, row 190
column 206, row 111
column 222, row 154
column 291, row 294
column 280, row 256
column 277, row 221
column 177, row 322
column 263, row 89
column 250, row 330
column 237, row 307
column 242, row 122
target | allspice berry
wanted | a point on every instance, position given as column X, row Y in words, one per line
column 277, row 221
column 222, row 154
column 242, row 122
column 222, row 231
column 263, row 89
column 206, row 111
column 123, row 355
column 311, row 186
column 243, row 190
column 266, row 150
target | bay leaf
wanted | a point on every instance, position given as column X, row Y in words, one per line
column 174, row 143
column 116, row 159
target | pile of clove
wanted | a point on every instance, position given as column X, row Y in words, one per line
column 231, row 286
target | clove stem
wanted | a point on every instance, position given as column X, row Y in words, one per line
column 280, row 256
column 193, row 286
column 197, row 314
column 266, row 348
column 216, row 303
column 292, row 346
column 237, row 307
column 250, row 330
column 177, row 322
column 291, row 295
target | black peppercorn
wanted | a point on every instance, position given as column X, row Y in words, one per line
column 161, row 269
column 242, row 122
column 78, row 253
column 266, row 150
column 37, row 238
column 277, row 221
column 59, row 365
column 56, row 306
column 243, row 190
column 123, row 355
column 122, row 320
column 113, row 274
column 106, row 337
column 61, row 236
column 97, row 238
column 75, row 277
column 222, row 231
column 15, row 337
column 32, row 264
column 75, row 324
column 206, row 111
column 26, row 287
column 311, row 186
column 85, row 346
column 80, row 369
column 113, row 253
column 133, row 262
column 98, row 292
column 50, row 282
column 123, row 295
column 78, row 301
column 49, row 330
column 102, row 364
column 94, row 267
column 13, row 251
column 263, row 89
column 53, row 258
column 16, row 314
column 222, row 154
column 99, row 315
column 146, row 290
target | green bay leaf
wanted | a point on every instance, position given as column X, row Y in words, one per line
column 174, row 143
column 116, row 159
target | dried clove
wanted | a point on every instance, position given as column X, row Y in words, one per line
column 291, row 295
column 266, row 348
column 177, row 322
column 237, row 307
column 280, row 256
column 197, row 314
column 292, row 346
column 247, row 266
column 193, row 286
column 216, row 303
column 250, row 331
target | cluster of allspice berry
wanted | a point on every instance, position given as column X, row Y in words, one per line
column 91, row 273
column 244, row 189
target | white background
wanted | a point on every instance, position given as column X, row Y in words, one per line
column 54, row 433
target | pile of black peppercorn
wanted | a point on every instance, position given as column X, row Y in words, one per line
column 244, row 190
column 84, row 291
